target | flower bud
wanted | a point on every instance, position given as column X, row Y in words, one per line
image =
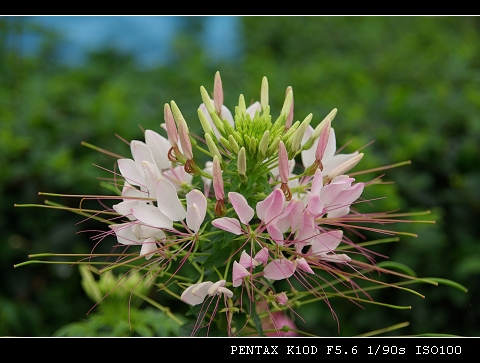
column 212, row 147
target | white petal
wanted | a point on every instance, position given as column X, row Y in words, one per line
column 141, row 152
column 168, row 201
column 194, row 219
column 125, row 208
column 152, row 174
column 129, row 171
column 148, row 248
column 195, row 294
column 125, row 234
column 253, row 108
column 159, row 146
column 152, row 216
column 148, row 232
column 212, row 290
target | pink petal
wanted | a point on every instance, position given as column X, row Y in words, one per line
column 239, row 203
column 238, row 273
column 343, row 199
column 170, row 126
column 196, row 209
column 271, row 207
column 178, row 176
column 281, row 298
column 279, row 269
column 315, row 205
column 330, row 148
column 326, row 242
column 247, row 261
column 307, row 230
column 291, row 216
column 228, row 224
column 183, row 134
column 262, row 256
column 168, row 202
column 336, row 258
column 275, row 234
column 194, row 218
column 279, row 320
column 317, row 182
column 283, row 167
column 295, row 214
column 152, row 216
column 330, row 192
column 217, row 179
column 322, row 141
column 302, row 264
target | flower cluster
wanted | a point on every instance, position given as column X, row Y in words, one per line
column 260, row 226
column 259, row 207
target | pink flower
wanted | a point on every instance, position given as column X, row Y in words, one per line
column 329, row 160
column 278, row 320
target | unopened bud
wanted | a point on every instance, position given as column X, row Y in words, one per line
column 263, row 145
column 346, row 166
column 264, row 93
column 321, row 125
column 323, row 141
column 289, row 119
column 185, row 139
column 176, row 112
column 170, row 126
column 207, row 128
column 287, row 104
column 212, row 147
column 297, row 137
column 273, row 148
column 233, row 144
column 242, row 108
column 218, row 93
column 217, row 179
column 207, row 101
column 242, row 162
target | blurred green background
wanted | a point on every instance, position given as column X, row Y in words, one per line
column 412, row 84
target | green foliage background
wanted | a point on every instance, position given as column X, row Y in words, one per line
column 412, row 84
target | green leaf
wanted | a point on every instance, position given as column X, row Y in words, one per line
column 397, row 266
column 447, row 282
